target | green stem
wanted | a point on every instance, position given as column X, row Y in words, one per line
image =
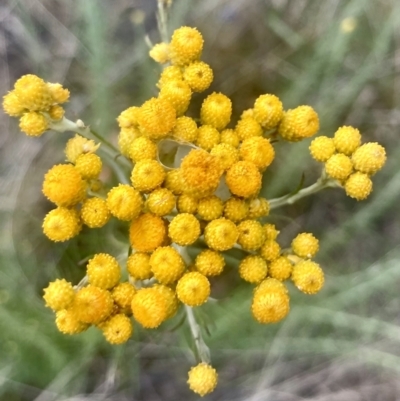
column 323, row 182
column 201, row 346
column 162, row 20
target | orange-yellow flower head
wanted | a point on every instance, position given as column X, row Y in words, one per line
column 198, row 75
column 61, row 224
column 33, row 123
column 147, row 232
column 178, row 94
column 257, row 150
column 221, row 234
column 33, row 93
column 124, row 202
column 270, row 306
column 203, row 379
column 186, row 45
column 369, row 158
column 244, row 179
column 308, row 276
column 268, row 111
column 157, row 118
column 147, row 174
column 201, row 172
column 167, row 264
column 12, row 106
column 216, row 110
column 63, row 185
column 299, row 123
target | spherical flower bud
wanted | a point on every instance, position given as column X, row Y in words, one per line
column 58, row 92
column 63, row 185
column 185, row 129
column 193, row 289
column 79, row 145
column 347, row 140
column 202, row 379
column 161, row 201
column 270, row 250
column 258, row 207
column 89, row 165
column 253, row 269
column 33, row 93
column 270, row 231
column 280, row 268
column 157, row 118
column 210, row 208
column 138, row 266
column 251, row 235
column 236, row 209
column 187, row 204
column 92, row 304
column 322, row 148
column 129, row 117
column 216, row 110
column 147, row 232
column 169, row 74
column 247, row 113
column 271, row 284
column 209, row 263
column 68, row 323
column 358, row 186
column 230, row 137
column 147, row 175
column 186, row 45
column 61, row 224
column 226, row 154
column 178, row 94
column 56, row 112
column 248, row 127
column 95, row 213
column 167, row 264
column 33, row 123
column 160, row 52
column 299, row 123
column 308, row 277
column 270, row 306
column 174, row 181
column 339, row 166
column 244, row 179
column 122, row 295
column 12, row 106
column 257, row 150
column 305, row 245
column 103, row 271
column 59, row 295
column 207, row 137
column 142, row 148
column 170, row 299
column 149, row 307
column 117, row 329
column 124, row 202
column 125, row 138
column 268, row 111
column 184, row 229
column 198, row 75
column 369, row 158
column 221, row 234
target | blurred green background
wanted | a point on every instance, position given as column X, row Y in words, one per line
column 341, row 57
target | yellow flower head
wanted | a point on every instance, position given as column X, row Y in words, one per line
column 216, row 110
column 207, row 137
column 358, row 186
column 230, row 137
column 193, row 289
column 226, row 154
column 103, row 271
column 258, row 207
column 185, row 129
column 202, row 379
column 178, row 94
column 58, row 92
column 270, row 231
column 157, row 118
column 174, row 181
column 369, row 158
column 56, row 112
column 61, row 224
column 95, row 213
column 78, row 145
column 248, row 127
column 124, row 202
column 142, row 148
column 198, row 75
column 147, row 232
column 299, row 123
column 125, row 138
column 257, row 150
column 210, row 208
column 251, row 235
column 308, row 276
column 160, row 52
column 89, row 165
column 167, row 264
column 169, row 74
column 138, row 266
column 268, row 111
column 33, row 123
column 68, row 323
column 305, row 245
column 201, row 172
column 33, row 93
column 269, row 306
column 170, row 298
column 122, row 295
column 147, row 174
column 184, row 229
column 209, row 262
column 244, row 179
column 187, row 204
column 161, row 201
column 339, row 166
column 117, row 329
column 59, row 294
column 221, row 234
column 347, row 140
column 129, row 117
column 322, row 148
column 63, row 185
column 236, row 209
column 186, row 45
column 270, row 250
column 280, row 268
column 12, row 106
column 253, row 269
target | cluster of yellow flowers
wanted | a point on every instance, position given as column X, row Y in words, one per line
column 210, row 196
column 349, row 162
column 35, row 102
